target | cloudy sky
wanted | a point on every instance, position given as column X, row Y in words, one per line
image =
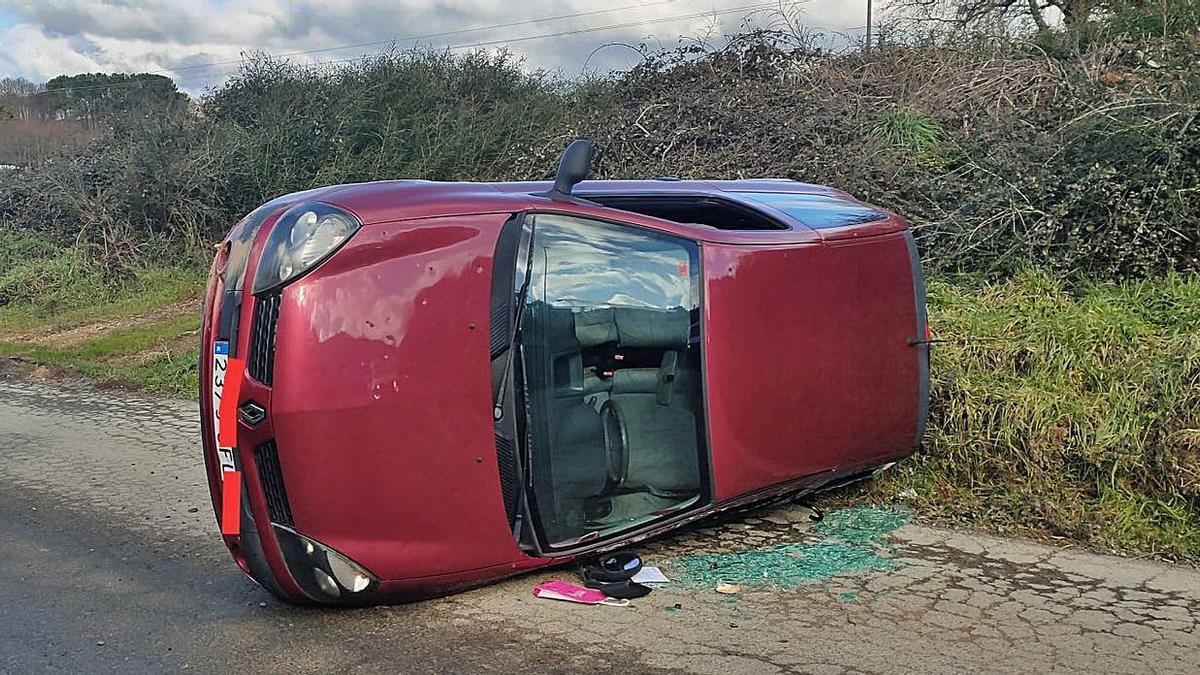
column 199, row 42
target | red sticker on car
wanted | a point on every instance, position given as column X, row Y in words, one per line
column 227, row 431
column 231, row 503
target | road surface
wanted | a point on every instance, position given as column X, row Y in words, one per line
column 110, row 562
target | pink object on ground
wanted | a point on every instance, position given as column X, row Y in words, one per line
column 562, row 590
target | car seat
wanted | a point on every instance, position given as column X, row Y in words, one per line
column 653, row 408
column 593, row 328
column 575, row 463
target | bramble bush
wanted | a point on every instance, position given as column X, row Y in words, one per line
column 1076, row 154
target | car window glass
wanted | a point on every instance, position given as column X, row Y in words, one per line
column 611, row 357
column 817, row 211
column 602, row 266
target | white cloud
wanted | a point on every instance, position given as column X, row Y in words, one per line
column 28, row 51
column 52, row 37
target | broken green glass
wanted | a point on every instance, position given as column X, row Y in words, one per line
column 846, row 541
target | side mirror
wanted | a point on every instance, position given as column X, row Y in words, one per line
column 574, row 166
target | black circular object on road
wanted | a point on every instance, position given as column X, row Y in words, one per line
column 616, row 566
column 612, row 575
column 624, row 590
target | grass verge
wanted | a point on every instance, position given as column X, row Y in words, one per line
column 159, row 356
column 1068, row 410
column 138, row 330
column 44, row 287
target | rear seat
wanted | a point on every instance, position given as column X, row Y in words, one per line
column 633, row 432
column 653, row 407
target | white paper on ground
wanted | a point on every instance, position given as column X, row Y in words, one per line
column 650, row 575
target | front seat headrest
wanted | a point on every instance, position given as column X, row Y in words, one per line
column 652, row 327
column 595, row 327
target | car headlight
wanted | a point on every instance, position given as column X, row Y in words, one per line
column 321, row 572
column 303, row 236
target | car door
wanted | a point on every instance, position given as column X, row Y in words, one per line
column 815, row 359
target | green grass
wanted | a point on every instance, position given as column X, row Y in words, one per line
column 170, row 374
column 917, row 133
column 45, row 289
column 144, row 355
column 1065, row 410
column 58, row 292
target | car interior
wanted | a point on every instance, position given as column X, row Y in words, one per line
column 720, row 214
column 616, row 409
column 623, row 437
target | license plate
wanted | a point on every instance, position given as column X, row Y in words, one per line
column 220, row 365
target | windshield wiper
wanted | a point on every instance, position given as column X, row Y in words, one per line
column 515, row 333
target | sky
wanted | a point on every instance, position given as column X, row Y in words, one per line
column 200, row 42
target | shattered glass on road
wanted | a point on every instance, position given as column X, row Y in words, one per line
column 845, row 541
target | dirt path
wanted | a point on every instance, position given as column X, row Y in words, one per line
column 77, row 335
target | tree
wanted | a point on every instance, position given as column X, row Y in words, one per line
column 19, row 99
column 94, row 96
column 974, row 13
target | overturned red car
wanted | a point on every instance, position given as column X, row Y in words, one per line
column 410, row 388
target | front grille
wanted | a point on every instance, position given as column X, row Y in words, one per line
column 261, row 362
column 266, row 458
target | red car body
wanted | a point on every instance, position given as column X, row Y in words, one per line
column 372, row 433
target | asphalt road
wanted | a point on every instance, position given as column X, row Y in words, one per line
column 110, row 562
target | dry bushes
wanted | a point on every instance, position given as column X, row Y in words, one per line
column 1000, row 154
column 28, row 141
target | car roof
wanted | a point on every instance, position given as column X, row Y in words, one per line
column 398, row 200
column 429, row 192
column 401, row 199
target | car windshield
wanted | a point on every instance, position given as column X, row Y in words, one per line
column 817, row 211
column 611, row 356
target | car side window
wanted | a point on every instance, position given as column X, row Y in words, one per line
column 612, row 370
